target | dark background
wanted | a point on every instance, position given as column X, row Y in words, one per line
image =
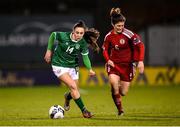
column 140, row 14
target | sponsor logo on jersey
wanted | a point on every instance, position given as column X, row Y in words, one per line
column 67, row 43
column 122, row 41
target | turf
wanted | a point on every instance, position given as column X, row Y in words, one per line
column 144, row 106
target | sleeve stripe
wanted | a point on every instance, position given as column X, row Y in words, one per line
column 128, row 33
column 107, row 35
column 85, row 53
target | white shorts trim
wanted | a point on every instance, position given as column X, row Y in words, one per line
column 58, row 71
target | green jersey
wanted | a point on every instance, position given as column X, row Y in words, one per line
column 66, row 50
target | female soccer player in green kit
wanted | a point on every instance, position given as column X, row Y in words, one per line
column 63, row 57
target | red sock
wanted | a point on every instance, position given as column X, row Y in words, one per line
column 117, row 101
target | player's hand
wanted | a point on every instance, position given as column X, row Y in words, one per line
column 47, row 56
column 111, row 63
column 91, row 72
column 140, row 66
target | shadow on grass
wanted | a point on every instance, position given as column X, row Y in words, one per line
column 138, row 118
column 155, row 117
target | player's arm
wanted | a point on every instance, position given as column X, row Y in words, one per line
column 48, row 54
column 105, row 48
column 87, row 64
column 140, row 64
column 85, row 57
column 139, row 52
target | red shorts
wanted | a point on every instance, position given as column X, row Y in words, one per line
column 125, row 71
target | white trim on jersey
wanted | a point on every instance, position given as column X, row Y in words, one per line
column 128, row 33
column 85, row 53
column 107, row 35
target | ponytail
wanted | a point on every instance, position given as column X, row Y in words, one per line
column 91, row 36
column 116, row 16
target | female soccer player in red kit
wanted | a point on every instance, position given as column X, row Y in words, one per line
column 123, row 51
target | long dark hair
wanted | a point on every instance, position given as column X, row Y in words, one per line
column 91, row 35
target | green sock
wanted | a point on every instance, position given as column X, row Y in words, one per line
column 80, row 104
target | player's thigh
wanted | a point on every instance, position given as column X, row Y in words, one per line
column 114, row 80
column 67, row 79
column 77, row 83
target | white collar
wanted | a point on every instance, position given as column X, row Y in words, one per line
column 72, row 39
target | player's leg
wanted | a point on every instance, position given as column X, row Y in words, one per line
column 66, row 78
column 59, row 71
column 67, row 97
column 74, row 73
column 74, row 93
column 85, row 112
column 117, row 98
column 124, row 87
column 128, row 75
column 114, row 81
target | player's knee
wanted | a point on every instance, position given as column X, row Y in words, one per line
column 74, row 91
column 114, row 90
column 73, row 87
column 123, row 92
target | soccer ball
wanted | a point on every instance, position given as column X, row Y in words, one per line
column 56, row 112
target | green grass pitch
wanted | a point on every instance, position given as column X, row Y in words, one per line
column 144, row 106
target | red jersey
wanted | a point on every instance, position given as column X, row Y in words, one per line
column 124, row 47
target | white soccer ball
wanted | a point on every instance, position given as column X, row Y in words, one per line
column 56, row 112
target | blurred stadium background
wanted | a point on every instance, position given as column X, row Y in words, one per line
column 25, row 26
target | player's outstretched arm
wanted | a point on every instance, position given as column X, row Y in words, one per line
column 48, row 54
column 87, row 63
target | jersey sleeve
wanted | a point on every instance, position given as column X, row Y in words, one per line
column 51, row 41
column 85, row 52
column 87, row 61
column 84, row 48
column 105, row 48
column 139, row 48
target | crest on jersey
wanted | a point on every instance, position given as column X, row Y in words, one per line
column 122, row 41
column 77, row 46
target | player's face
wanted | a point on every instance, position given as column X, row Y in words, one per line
column 118, row 27
column 78, row 33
